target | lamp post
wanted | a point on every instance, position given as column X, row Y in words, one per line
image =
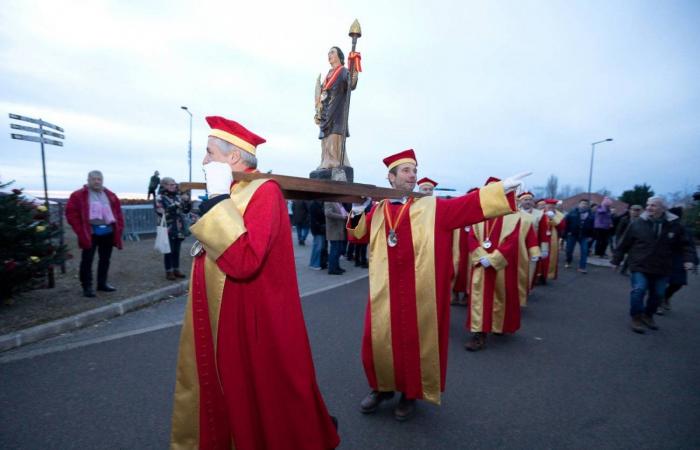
column 189, row 151
column 590, row 174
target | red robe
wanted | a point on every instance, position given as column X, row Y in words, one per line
column 461, row 247
column 245, row 375
column 549, row 231
column 404, row 347
column 529, row 247
column 494, row 302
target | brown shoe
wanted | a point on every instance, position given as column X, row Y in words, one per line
column 170, row 276
column 637, row 325
column 370, row 403
column 649, row 322
column 476, row 343
column 178, row 274
column 405, row 409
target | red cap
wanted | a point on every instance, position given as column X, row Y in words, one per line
column 551, row 201
column 526, row 194
column 492, row 180
column 406, row 156
column 426, row 180
column 234, row 133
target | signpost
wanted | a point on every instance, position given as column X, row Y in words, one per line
column 41, row 131
column 40, row 139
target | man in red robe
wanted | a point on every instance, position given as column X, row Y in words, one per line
column 460, row 251
column 529, row 245
column 245, row 377
column 494, row 305
column 404, row 346
column 551, row 226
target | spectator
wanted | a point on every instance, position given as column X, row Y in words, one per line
column 335, row 233
column 357, row 248
column 152, row 185
column 651, row 243
column 579, row 226
column 625, row 221
column 175, row 206
column 679, row 275
column 602, row 226
column 319, row 250
column 95, row 214
column 300, row 219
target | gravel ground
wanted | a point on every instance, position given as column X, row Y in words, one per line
column 135, row 269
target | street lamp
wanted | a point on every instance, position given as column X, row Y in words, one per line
column 189, row 151
column 590, row 174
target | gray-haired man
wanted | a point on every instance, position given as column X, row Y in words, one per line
column 650, row 243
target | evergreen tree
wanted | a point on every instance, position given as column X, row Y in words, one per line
column 27, row 251
column 638, row 195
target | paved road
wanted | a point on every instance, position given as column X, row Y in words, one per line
column 573, row 377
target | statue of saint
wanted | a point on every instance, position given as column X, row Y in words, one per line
column 332, row 110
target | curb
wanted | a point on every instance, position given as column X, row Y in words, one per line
column 50, row 329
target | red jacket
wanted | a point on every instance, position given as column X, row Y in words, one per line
column 78, row 216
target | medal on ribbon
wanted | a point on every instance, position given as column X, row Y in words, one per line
column 392, row 239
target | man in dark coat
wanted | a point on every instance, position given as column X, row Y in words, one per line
column 153, row 185
column 300, row 219
column 95, row 214
column 650, row 244
column 579, row 228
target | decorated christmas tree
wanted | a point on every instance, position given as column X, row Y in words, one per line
column 27, row 251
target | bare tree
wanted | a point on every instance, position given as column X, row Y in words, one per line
column 551, row 188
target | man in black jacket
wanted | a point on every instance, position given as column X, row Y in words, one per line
column 579, row 228
column 650, row 243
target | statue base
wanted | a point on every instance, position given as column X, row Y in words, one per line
column 335, row 173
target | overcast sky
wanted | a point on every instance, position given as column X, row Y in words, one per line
column 476, row 88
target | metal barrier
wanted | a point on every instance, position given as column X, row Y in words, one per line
column 138, row 219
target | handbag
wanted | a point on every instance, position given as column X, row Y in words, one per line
column 162, row 241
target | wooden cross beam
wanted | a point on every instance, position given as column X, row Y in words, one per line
column 297, row 188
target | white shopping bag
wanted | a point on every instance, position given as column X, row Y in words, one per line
column 162, row 241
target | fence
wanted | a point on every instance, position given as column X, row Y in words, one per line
column 138, row 219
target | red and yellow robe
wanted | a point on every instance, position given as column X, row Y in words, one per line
column 460, row 255
column 404, row 347
column 494, row 304
column 528, row 247
column 549, row 231
column 536, row 217
column 245, row 377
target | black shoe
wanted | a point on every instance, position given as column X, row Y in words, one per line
column 405, row 409
column 106, row 288
column 335, row 272
column 365, row 265
column 341, row 270
column 335, row 422
column 88, row 292
column 370, row 403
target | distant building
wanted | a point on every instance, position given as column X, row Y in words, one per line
column 572, row 202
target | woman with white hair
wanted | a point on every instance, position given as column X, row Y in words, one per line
column 174, row 205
